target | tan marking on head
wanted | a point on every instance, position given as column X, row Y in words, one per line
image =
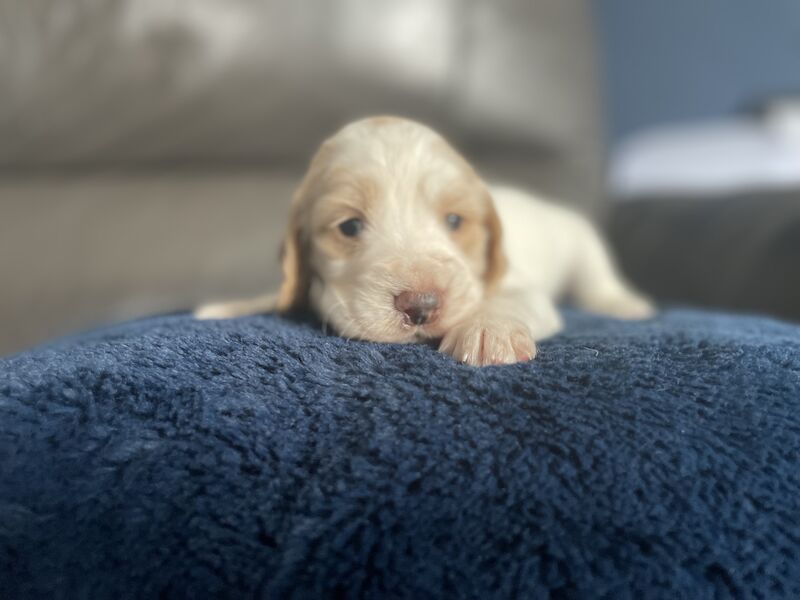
column 382, row 120
column 480, row 233
column 293, row 292
column 326, row 196
column 347, row 195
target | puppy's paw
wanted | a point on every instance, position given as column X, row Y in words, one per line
column 489, row 342
column 217, row 310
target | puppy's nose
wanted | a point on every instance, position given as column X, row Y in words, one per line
column 418, row 307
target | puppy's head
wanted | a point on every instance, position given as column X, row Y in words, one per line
column 392, row 236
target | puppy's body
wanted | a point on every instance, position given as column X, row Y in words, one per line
column 554, row 252
column 393, row 237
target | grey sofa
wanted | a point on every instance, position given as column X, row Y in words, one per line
column 148, row 149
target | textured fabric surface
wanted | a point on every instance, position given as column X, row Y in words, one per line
column 260, row 458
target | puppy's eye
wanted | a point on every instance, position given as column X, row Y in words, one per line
column 351, row 227
column 453, row 221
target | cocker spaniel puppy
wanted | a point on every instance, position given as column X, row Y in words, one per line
column 393, row 237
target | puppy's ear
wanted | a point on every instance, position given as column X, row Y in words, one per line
column 293, row 293
column 496, row 262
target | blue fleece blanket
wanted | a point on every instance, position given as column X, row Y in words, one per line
column 170, row 458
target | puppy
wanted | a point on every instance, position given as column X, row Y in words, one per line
column 393, row 237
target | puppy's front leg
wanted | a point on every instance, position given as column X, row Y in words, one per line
column 503, row 329
column 237, row 308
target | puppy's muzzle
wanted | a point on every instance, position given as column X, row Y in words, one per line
column 418, row 308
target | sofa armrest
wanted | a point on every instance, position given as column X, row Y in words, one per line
column 738, row 252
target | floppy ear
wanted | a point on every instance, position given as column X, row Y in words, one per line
column 496, row 262
column 293, row 293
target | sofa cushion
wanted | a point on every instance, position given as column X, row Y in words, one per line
column 259, row 457
column 84, row 249
column 147, row 82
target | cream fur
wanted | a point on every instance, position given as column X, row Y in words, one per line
column 401, row 179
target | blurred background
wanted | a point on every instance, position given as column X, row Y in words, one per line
column 148, row 148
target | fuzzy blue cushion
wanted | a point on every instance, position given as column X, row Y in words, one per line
column 261, row 458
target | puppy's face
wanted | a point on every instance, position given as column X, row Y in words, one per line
column 392, row 235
